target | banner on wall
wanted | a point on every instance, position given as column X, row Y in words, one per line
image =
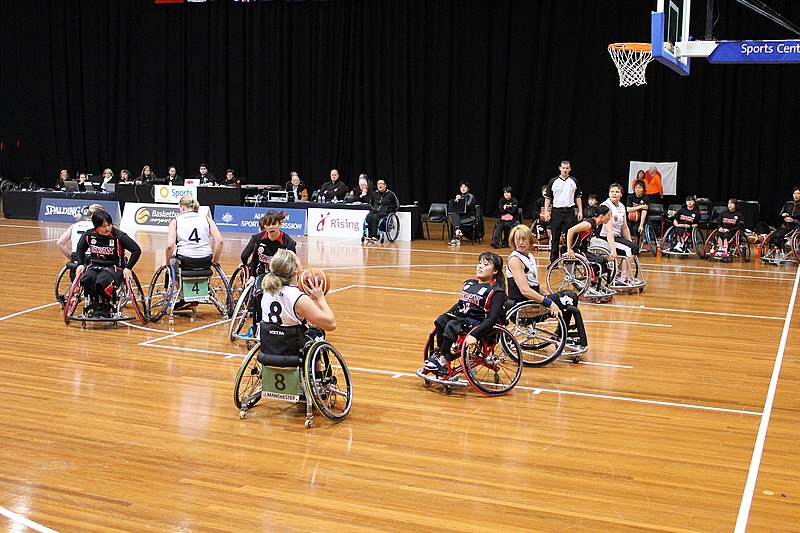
column 70, row 210
column 348, row 223
column 172, row 194
column 245, row 219
column 668, row 172
column 152, row 216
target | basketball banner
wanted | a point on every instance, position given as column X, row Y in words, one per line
column 71, row 210
column 172, row 194
column 152, row 216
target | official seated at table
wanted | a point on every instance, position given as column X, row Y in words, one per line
column 362, row 192
column 205, row 177
column 172, row 177
column 333, row 190
column 298, row 192
column 231, row 179
column 147, row 175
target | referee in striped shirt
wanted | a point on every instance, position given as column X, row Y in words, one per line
column 563, row 194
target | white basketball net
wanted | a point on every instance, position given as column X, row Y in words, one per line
column 631, row 60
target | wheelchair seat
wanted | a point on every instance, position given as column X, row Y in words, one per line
column 282, row 361
column 636, row 279
column 192, row 280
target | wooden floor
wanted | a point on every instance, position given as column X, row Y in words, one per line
column 134, row 428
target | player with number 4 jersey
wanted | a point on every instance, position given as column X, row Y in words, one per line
column 190, row 235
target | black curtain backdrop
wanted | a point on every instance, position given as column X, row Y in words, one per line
column 424, row 93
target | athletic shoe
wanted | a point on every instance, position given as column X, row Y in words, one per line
column 719, row 254
column 185, row 306
column 494, row 245
column 436, row 363
column 455, row 242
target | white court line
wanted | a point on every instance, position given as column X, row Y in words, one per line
column 26, row 242
column 758, row 448
column 26, row 522
column 714, row 313
column 628, row 323
column 715, row 275
column 179, row 333
column 610, row 365
column 28, row 311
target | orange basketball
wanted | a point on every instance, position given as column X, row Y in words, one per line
column 309, row 274
column 634, row 216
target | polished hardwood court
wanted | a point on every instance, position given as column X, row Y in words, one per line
column 133, row 428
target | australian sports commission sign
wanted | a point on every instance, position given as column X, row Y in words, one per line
column 152, row 216
column 71, row 210
column 245, row 219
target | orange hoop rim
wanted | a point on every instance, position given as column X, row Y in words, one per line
column 631, row 47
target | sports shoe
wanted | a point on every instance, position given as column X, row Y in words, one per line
column 185, row 306
column 725, row 255
column 678, row 248
column 494, row 245
column 455, row 242
column 436, row 363
column 719, row 254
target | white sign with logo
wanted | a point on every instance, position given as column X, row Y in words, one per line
column 348, row 223
column 152, row 216
column 171, row 194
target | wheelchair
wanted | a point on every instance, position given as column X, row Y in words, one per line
column 128, row 292
column 237, row 281
column 242, row 311
column 782, row 253
column 199, row 285
column 636, row 280
column 588, row 279
column 321, row 379
column 541, row 237
column 493, row 366
column 694, row 245
column 542, row 337
column 64, row 282
column 738, row 246
column 388, row 229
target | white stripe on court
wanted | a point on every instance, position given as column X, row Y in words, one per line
column 758, row 448
column 14, row 517
column 26, row 242
column 27, row 311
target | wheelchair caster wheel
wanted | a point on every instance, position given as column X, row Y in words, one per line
column 309, row 423
column 247, row 344
column 427, row 383
column 448, row 389
column 242, row 413
column 576, row 359
column 641, row 289
column 83, row 324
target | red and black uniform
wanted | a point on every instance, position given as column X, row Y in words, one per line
column 104, row 259
column 792, row 209
column 731, row 221
column 686, row 216
column 480, row 306
column 260, row 249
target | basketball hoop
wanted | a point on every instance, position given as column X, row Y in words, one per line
column 631, row 60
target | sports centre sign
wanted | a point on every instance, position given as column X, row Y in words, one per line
column 152, row 216
column 71, row 210
column 245, row 219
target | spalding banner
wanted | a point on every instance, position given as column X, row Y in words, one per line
column 152, row 216
column 245, row 219
column 171, row 194
column 71, row 210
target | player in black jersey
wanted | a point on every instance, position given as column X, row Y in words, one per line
column 685, row 219
column 480, row 306
column 730, row 222
column 101, row 261
column 263, row 245
column 790, row 215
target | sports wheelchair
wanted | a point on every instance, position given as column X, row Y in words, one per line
column 244, row 310
column 320, row 378
column 588, row 279
column 64, row 282
column 198, row 285
column 634, row 282
column 781, row 253
column 738, row 246
column 388, row 229
column 695, row 243
column 542, row 337
column 128, row 292
column 493, row 366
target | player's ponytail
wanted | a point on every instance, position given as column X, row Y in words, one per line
column 281, row 272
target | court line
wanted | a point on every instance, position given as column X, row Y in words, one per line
column 714, row 274
column 27, row 311
column 26, row 242
column 14, row 517
column 758, row 448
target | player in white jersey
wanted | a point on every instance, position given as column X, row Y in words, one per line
column 288, row 314
column 190, row 235
column 616, row 230
column 73, row 233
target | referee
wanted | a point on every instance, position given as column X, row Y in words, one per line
column 563, row 193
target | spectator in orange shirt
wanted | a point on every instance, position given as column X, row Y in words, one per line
column 653, row 185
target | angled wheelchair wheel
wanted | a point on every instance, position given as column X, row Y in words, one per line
column 160, row 293
column 651, row 239
column 74, row 296
column 743, row 247
column 392, row 227
column 670, row 239
column 63, row 284
column 247, row 389
column 710, row 247
column 133, row 295
column 795, row 246
column 328, row 381
column 569, row 274
column 493, row 366
column 541, row 336
column 241, row 311
column 698, row 242
column 236, row 283
column 220, row 291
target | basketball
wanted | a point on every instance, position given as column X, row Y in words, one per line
column 633, row 216
column 309, row 274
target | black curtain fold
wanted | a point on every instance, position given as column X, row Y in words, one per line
column 423, row 93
